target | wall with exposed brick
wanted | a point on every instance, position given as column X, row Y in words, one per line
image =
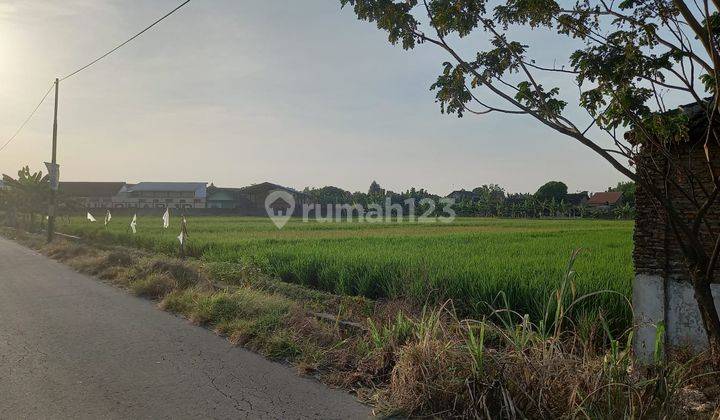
column 662, row 290
column 657, row 250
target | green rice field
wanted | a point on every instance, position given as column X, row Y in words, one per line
column 471, row 260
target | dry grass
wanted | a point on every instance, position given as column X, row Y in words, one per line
column 428, row 377
column 154, row 285
column 414, row 362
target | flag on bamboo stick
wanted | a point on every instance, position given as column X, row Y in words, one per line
column 108, row 216
column 90, row 217
column 166, row 218
column 183, row 231
column 133, row 223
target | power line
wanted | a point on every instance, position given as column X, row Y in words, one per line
column 28, row 118
column 85, row 67
column 126, row 42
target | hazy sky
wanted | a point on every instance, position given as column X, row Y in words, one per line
column 236, row 92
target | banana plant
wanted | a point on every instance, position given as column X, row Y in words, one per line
column 28, row 195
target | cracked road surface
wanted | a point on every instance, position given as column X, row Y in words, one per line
column 73, row 347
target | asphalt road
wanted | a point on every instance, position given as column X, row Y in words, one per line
column 73, row 347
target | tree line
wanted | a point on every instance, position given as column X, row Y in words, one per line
column 25, row 200
column 489, row 200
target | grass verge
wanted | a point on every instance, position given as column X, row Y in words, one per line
column 407, row 360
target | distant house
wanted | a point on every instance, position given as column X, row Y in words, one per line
column 178, row 195
column 250, row 200
column 605, row 200
column 222, row 197
column 92, row 194
column 257, row 193
column 463, row 196
column 578, row 199
column 2, row 185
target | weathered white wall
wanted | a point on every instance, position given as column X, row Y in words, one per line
column 671, row 303
column 648, row 311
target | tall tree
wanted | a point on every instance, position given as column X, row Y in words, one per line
column 628, row 191
column 553, row 190
column 491, row 193
column 375, row 189
column 625, row 58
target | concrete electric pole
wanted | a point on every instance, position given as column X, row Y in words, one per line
column 53, row 171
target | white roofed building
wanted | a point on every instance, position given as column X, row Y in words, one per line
column 176, row 195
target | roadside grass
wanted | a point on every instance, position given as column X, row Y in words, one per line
column 418, row 360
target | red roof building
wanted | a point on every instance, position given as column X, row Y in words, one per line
column 605, row 199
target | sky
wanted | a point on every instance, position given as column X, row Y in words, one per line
column 237, row 92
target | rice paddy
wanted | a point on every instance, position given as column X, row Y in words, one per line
column 474, row 261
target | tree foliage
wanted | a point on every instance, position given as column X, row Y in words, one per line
column 625, row 60
column 27, row 195
column 553, row 190
column 628, row 190
column 375, row 189
column 492, row 193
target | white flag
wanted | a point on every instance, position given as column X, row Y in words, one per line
column 166, row 218
column 133, row 224
column 183, row 231
column 108, row 216
column 90, row 217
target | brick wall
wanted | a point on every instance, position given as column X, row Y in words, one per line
column 657, row 251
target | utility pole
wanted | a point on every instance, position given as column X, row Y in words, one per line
column 53, row 182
